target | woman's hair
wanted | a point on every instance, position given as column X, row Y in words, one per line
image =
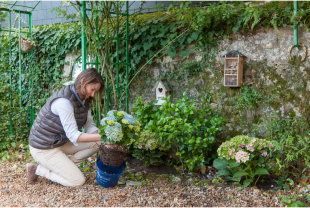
column 88, row 76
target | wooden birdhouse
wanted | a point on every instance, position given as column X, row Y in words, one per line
column 233, row 69
column 162, row 91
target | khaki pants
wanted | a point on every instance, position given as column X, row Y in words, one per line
column 55, row 165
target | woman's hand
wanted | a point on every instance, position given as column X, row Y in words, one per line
column 98, row 142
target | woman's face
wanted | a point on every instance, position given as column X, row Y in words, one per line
column 90, row 90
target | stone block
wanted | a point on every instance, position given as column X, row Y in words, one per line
column 268, row 45
column 37, row 22
column 133, row 183
column 69, row 61
column 42, row 14
column 47, row 21
column 34, row 15
column 46, row 5
column 56, row 20
column 176, row 179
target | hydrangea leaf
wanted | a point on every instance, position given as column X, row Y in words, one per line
column 224, row 171
column 233, row 163
column 240, row 173
column 220, row 163
column 261, row 171
column 246, row 183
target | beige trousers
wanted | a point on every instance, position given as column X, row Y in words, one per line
column 55, row 165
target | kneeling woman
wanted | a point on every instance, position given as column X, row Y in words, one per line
column 56, row 141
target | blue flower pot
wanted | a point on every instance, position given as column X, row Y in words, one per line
column 107, row 180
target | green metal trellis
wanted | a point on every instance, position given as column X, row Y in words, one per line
column 117, row 63
column 22, row 68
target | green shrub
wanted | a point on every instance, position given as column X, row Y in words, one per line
column 290, row 137
column 189, row 128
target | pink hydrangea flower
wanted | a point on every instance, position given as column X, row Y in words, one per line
column 231, row 152
column 264, row 154
column 242, row 156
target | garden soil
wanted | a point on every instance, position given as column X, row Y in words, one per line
column 112, row 155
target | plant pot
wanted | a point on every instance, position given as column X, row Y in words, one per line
column 26, row 46
column 112, row 154
column 108, row 176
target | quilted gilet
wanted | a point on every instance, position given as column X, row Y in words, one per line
column 47, row 131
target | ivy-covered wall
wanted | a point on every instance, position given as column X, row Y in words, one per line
column 271, row 81
column 193, row 62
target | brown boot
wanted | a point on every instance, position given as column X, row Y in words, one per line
column 31, row 173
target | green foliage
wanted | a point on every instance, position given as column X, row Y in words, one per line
column 297, row 204
column 192, row 130
column 291, row 143
column 149, row 157
column 243, row 156
column 246, row 102
column 292, row 200
column 43, row 70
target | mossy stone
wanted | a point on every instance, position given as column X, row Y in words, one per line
column 204, row 182
column 151, row 176
column 164, row 176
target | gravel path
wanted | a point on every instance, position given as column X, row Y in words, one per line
column 15, row 191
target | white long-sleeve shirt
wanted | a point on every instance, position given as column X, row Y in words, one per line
column 63, row 108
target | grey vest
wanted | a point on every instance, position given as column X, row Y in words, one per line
column 47, row 131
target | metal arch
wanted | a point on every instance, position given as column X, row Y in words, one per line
column 85, row 63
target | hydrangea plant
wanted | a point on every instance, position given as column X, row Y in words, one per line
column 243, row 156
column 119, row 127
column 148, row 149
column 147, row 140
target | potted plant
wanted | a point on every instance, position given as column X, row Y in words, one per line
column 117, row 130
column 26, row 45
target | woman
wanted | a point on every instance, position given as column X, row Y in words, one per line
column 56, row 141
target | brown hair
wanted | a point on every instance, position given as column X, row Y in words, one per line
column 88, row 76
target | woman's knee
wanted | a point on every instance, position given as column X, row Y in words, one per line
column 79, row 181
column 95, row 146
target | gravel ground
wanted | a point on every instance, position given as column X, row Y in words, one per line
column 15, row 191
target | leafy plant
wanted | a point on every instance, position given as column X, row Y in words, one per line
column 291, row 144
column 192, row 130
column 147, row 150
column 297, row 204
column 243, row 156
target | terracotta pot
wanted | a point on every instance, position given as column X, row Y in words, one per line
column 26, row 46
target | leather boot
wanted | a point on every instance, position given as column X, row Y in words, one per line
column 31, row 173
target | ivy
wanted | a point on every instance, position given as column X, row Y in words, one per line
column 44, row 67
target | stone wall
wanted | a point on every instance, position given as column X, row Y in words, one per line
column 266, row 69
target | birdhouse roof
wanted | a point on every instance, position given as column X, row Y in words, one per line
column 163, row 83
column 240, row 54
